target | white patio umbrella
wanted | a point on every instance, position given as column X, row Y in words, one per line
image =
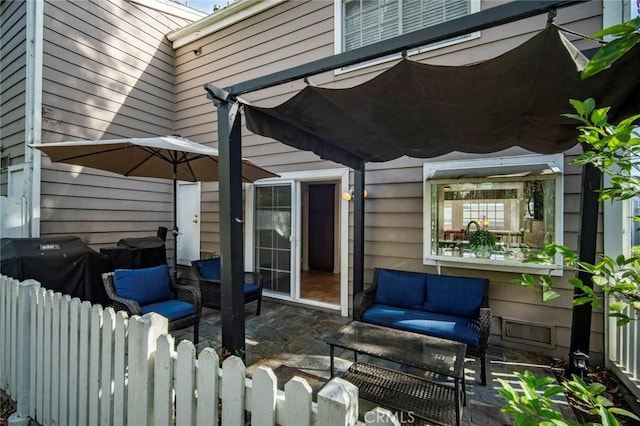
column 168, row 157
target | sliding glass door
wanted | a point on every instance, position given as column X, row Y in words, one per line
column 273, row 236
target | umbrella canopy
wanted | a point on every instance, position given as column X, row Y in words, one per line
column 168, row 157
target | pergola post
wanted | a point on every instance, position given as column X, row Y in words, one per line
column 231, row 224
column 581, row 321
column 358, row 230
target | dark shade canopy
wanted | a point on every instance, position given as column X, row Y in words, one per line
column 422, row 110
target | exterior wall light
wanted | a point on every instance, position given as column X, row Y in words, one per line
column 348, row 195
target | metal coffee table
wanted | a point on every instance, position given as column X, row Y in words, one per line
column 436, row 402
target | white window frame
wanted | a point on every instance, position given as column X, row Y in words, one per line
column 337, row 41
column 490, row 165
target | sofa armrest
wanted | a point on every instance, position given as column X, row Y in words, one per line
column 118, row 302
column 484, row 328
column 363, row 301
column 253, row 278
column 188, row 293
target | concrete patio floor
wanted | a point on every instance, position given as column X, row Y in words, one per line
column 289, row 339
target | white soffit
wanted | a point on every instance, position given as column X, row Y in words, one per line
column 172, row 8
column 235, row 12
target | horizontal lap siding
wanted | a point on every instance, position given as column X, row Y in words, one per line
column 108, row 73
column 13, row 32
column 294, row 33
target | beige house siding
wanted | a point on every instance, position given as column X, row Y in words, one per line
column 295, row 33
column 108, row 73
column 13, row 29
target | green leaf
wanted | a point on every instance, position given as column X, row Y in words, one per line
column 553, row 390
column 607, row 418
column 578, row 106
column 617, row 306
column 588, row 106
column 599, row 116
column 623, row 412
column 609, row 53
column 549, row 295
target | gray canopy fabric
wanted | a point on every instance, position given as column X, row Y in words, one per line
column 422, row 110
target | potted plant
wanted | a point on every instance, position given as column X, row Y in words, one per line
column 482, row 242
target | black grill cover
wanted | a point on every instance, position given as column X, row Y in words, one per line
column 62, row 264
column 136, row 253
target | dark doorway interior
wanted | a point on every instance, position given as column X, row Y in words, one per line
column 321, row 227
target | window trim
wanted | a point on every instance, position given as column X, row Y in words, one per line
column 337, row 41
column 430, row 169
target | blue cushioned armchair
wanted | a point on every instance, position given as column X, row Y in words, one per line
column 208, row 271
column 140, row 291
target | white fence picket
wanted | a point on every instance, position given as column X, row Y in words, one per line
column 106, row 366
column 74, row 360
column 5, row 285
column 264, row 392
column 12, row 359
column 233, row 389
column 120, row 362
column 163, row 381
column 207, row 380
column 143, row 334
column 65, row 305
column 13, row 340
column 48, row 355
column 40, row 354
column 83, row 363
column 33, row 353
column 95, row 340
column 185, row 380
column 297, row 403
column 338, row 403
column 55, row 358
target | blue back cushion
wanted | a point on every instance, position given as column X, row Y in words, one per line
column 145, row 286
column 210, row 268
column 400, row 288
column 454, row 295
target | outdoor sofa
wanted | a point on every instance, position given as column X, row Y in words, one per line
column 454, row 308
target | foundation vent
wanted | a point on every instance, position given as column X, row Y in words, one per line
column 528, row 333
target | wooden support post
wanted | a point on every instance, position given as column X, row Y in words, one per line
column 231, row 227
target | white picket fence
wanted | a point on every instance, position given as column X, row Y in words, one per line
column 66, row 362
column 623, row 355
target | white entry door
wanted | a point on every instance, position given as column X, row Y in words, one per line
column 189, row 218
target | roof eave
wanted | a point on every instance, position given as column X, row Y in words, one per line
column 172, row 8
column 235, row 12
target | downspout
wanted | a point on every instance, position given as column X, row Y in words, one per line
column 33, row 113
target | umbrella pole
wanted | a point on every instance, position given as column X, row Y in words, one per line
column 175, row 222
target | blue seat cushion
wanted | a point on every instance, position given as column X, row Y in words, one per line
column 437, row 325
column 172, row 309
column 455, row 296
column 210, row 268
column 145, row 286
column 251, row 289
column 400, row 288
